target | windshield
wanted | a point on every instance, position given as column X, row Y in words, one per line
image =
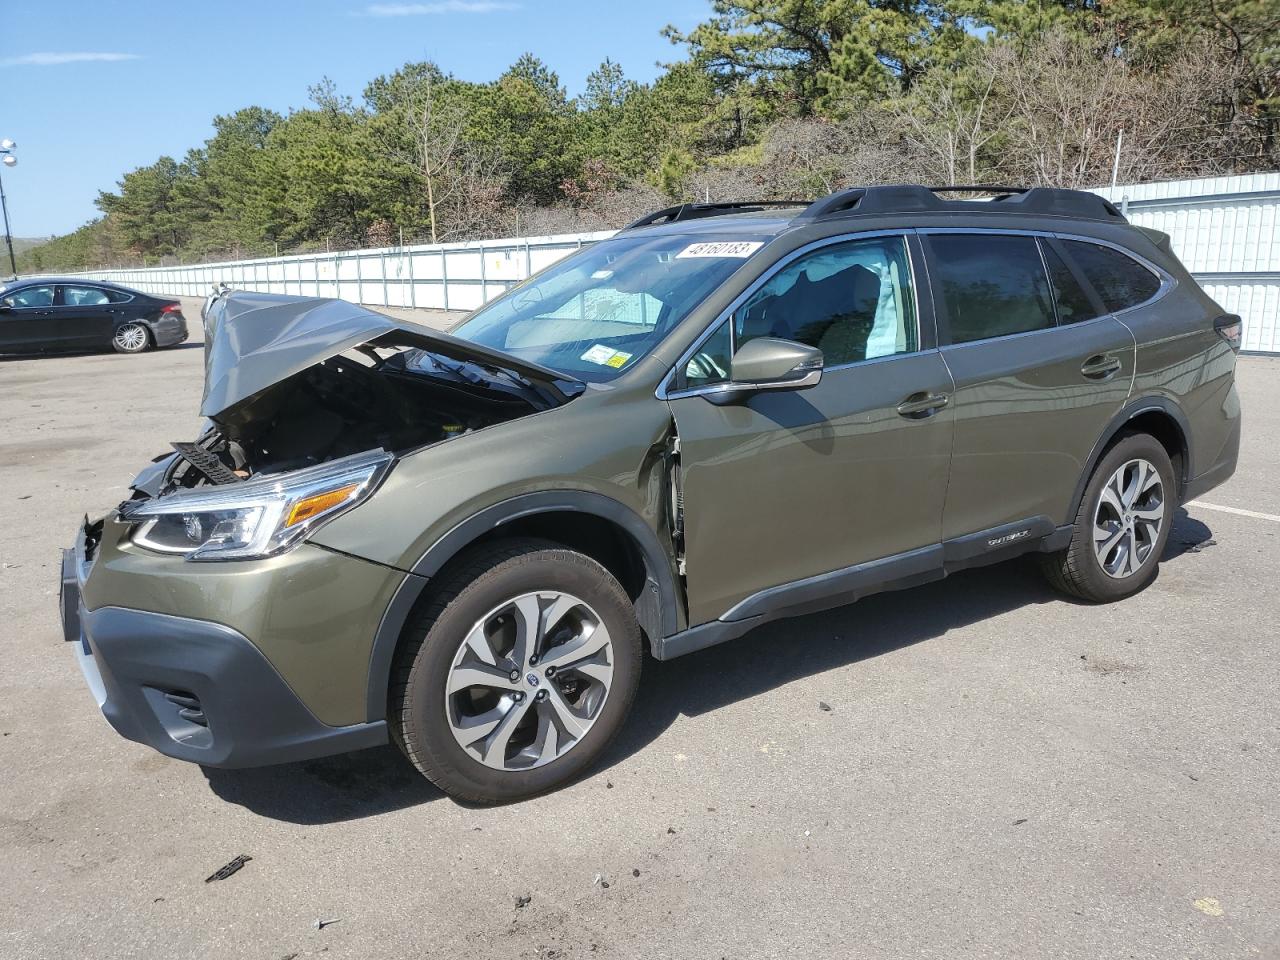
column 597, row 313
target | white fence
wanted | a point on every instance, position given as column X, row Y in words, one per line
column 1225, row 229
column 449, row 276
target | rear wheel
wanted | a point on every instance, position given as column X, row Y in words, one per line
column 517, row 674
column 131, row 338
column 1122, row 525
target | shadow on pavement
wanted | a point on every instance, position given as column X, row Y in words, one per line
column 1188, row 535
column 329, row 790
column 96, row 352
column 778, row 653
column 372, row 782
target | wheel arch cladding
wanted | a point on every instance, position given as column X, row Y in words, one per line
column 1156, row 416
column 593, row 524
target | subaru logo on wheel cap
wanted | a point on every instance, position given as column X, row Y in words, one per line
column 532, row 679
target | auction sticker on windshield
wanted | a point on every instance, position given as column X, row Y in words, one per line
column 741, row 249
column 606, row 356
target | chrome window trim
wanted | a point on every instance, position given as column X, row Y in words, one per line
column 664, row 391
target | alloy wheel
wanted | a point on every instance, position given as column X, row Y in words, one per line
column 1128, row 519
column 529, row 680
column 131, row 337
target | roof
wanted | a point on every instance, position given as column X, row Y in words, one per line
column 878, row 201
column 25, row 281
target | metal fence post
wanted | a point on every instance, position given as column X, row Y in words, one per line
column 444, row 276
column 413, row 284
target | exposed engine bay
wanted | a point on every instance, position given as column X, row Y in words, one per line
column 373, row 397
column 295, row 382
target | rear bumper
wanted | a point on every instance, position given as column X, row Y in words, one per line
column 192, row 689
column 1224, row 465
column 170, row 330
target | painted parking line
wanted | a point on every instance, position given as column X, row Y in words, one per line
column 1236, row 510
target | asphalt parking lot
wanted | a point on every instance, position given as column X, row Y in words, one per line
column 1001, row 773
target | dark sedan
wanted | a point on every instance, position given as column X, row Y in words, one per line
column 47, row 315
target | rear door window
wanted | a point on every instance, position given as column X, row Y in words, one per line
column 1121, row 281
column 992, row 285
column 84, row 296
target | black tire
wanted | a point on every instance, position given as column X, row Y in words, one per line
column 124, row 338
column 480, row 581
column 1077, row 570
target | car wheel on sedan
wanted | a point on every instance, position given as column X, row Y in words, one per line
column 1122, row 525
column 131, row 338
column 518, row 672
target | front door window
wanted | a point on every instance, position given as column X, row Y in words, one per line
column 853, row 301
column 29, row 297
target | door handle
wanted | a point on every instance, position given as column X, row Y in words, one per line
column 921, row 405
column 1101, row 367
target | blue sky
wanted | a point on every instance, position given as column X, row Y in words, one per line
column 92, row 88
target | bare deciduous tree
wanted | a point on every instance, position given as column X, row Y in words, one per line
column 949, row 119
column 1066, row 105
column 463, row 182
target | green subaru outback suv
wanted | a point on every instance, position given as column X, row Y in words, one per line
column 725, row 414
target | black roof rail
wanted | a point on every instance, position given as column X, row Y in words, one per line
column 1056, row 201
column 913, row 198
column 696, row 211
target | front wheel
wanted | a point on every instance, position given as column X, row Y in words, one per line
column 131, row 338
column 1122, row 525
column 517, row 674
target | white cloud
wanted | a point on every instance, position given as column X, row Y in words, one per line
column 440, row 7
column 57, row 59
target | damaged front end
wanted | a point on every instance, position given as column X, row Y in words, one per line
column 310, row 401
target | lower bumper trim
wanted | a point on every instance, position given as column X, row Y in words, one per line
column 134, row 660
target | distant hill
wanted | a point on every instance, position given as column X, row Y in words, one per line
column 26, row 243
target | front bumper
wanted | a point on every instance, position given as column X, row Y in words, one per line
column 189, row 688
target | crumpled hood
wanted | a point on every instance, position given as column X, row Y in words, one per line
column 255, row 340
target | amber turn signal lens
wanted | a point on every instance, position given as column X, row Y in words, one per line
column 318, row 504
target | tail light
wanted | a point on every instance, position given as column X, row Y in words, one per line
column 1231, row 329
column 171, row 308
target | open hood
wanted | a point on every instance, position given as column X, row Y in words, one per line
column 255, row 340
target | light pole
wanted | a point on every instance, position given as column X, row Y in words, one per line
column 9, row 160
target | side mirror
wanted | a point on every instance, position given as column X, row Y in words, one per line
column 768, row 363
column 4, row 307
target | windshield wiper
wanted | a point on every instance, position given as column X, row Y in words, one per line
column 492, row 377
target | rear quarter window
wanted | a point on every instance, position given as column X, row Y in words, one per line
column 1120, row 281
column 1074, row 305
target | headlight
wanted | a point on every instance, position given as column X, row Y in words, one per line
column 256, row 518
